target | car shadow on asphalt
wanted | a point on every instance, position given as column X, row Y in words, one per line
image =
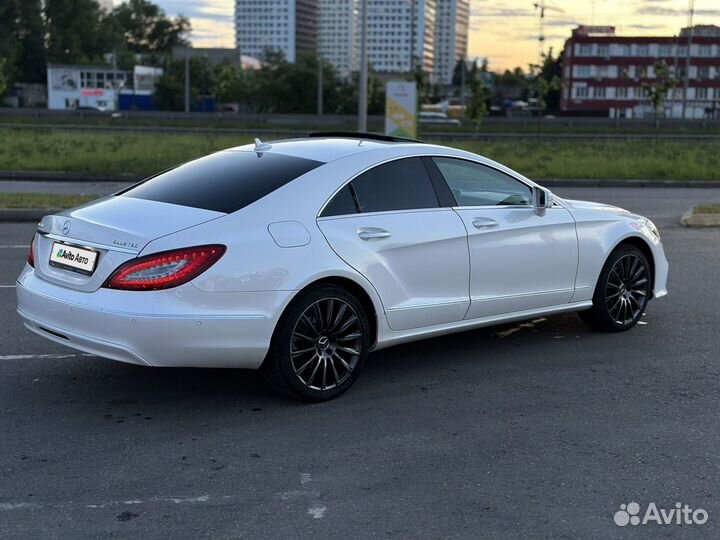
column 100, row 383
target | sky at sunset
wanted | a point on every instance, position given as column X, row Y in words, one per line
column 504, row 31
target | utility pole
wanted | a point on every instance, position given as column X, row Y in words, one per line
column 412, row 38
column 187, row 81
column 115, row 84
column 320, row 85
column 463, row 69
column 687, row 57
column 675, row 73
column 540, row 7
column 363, row 93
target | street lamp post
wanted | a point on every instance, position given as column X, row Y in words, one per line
column 363, row 91
column 320, row 85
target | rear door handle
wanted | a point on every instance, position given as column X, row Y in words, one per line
column 372, row 233
column 484, row 223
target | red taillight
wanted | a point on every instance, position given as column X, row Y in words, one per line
column 164, row 270
column 31, row 255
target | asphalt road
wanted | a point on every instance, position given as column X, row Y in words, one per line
column 520, row 431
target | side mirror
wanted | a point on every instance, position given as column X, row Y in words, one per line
column 542, row 199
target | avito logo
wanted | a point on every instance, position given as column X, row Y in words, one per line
column 65, row 254
column 682, row 514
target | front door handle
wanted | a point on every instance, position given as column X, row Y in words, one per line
column 372, row 233
column 484, row 223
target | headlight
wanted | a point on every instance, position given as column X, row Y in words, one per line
column 652, row 228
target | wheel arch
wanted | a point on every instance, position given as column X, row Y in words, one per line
column 369, row 302
column 640, row 243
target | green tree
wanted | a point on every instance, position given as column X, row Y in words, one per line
column 147, row 29
column 3, row 78
column 540, row 87
column 422, row 83
column 516, row 77
column 230, row 84
column 657, row 90
column 348, row 94
column 73, row 31
column 22, row 32
column 30, row 32
column 9, row 46
column 551, row 70
column 460, row 67
column 477, row 108
column 170, row 88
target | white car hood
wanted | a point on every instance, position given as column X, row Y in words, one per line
column 572, row 204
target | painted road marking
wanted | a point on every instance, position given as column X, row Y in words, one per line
column 315, row 507
column 42, row 356
column 23, row 505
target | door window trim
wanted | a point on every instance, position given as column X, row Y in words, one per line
column 435, row 175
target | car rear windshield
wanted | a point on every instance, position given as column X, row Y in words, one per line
column 223, row 182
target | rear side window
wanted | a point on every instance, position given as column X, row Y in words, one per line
column 341, row 204
column 398, row 185
column 223, row 182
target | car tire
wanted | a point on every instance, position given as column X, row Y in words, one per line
column 622, row 291
column 319, row 346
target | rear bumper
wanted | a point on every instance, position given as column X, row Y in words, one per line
column 186, row 327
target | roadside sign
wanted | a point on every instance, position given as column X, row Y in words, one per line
column 401, row 109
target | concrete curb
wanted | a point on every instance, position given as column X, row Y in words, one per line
column 45, row 176
column 24, row 214
column 569, row 182
column 690, row 219
column 61, row 176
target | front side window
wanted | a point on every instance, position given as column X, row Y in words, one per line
column 473, row 184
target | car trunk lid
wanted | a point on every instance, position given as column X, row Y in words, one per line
column 116, row 228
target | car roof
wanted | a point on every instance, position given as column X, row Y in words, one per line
column 326, row 148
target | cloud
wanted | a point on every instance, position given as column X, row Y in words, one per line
column 501, row 12
column 659, row 11
column 561, row 23
column 643, row 26
column 218, row 10
column 548, row 37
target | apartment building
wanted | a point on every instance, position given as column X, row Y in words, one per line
column 339, row 34
column 401, row 34
column 289, row 26
column 605, row 73
column 452, row 18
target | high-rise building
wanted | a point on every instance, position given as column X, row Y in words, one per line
column 289, row 26
column 339, row 34
column 452, row 18
column 401, row 35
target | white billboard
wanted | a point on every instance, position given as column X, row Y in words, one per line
column 401, row 109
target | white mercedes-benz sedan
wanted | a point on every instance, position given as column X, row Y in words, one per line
column 300, row 257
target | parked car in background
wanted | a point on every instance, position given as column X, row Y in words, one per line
column 437, row 118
